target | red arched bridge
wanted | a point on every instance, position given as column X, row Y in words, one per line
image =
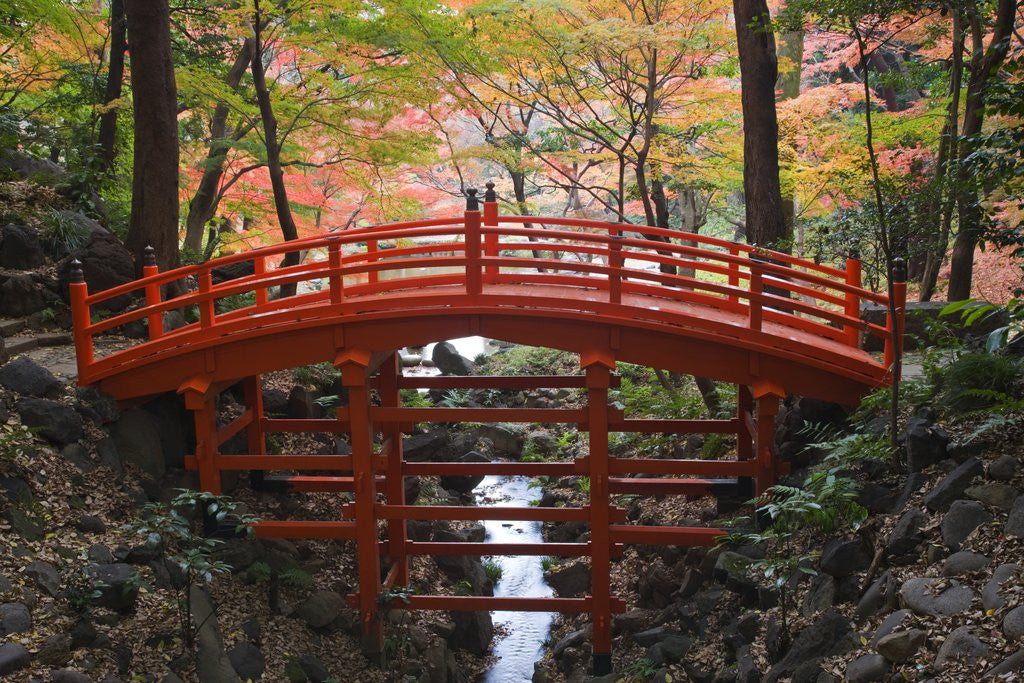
column 766, row 321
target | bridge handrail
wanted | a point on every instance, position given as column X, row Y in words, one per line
column 477, row 250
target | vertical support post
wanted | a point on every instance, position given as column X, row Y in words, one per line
column 734, row 272
column 259, row 267
column 852, row 300
column 767, row 409
column 897, row 324
column 491, row 238
column 756, row 289
column 256, row 443
column 206, row 309
column 337, row 280
column 155, row 321
column 353, row 367
column 394, row 487
column 78, row 293
column 204, row 410
column 373, row 255
column 745, row 436
column 474, row 284
column 615, row 262
column 598, row 368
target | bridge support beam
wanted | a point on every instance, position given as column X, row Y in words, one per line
column 598, row 367
column 394, row 487
column 768, row 398
column 354, row 375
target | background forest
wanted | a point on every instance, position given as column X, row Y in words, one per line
column 219, row 126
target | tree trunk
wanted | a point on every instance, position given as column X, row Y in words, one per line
column 274, row 168
column 765, row 223
column 115, row 76
column 984, row 63
column 154, row 213
column 203, row 206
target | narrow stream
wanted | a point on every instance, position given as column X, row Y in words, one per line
column 521, row 576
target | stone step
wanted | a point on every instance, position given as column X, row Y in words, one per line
column 10, row 327
column 25, row 343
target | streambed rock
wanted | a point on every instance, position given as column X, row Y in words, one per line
column 926, row 596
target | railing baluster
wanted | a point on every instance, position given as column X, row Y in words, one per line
column 78, row 292
column 734, row 272
column 259, row 268
column 754, row 300
column 853, row 300
column 206, row 308
column 474, row 284
column 615, row 263
column 155, row 321
column 334, row 262
column 373, row 255
column 491, row 238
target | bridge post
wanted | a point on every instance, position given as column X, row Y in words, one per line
column 204, row 411
column 746, row 429
column 474, row 284
column 899, row 300
column 207, row 313
column 256, row 443
column 598, row 366
column 754, row 300
column 78, row 293
column 853, row 271
column 155, row 321
column 259, row 267
column 734, row 272
column 615, row 263
column 491, row 238
column 371, row 257
column 337, row 281
column 353, row 365
column 390, row 397
column 767, row 409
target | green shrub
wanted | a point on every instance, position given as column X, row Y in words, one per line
column 320, row 375
column 973, row 381
column 62, row 234
column 493, row 571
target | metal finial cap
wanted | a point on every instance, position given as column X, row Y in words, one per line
column 899, row 270
column 854, row 253
column 149, row 256
column 472, row 203
column 76, row 273
column 490, row 195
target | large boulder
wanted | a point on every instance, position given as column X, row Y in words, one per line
column 14, row 618
column 449, row 362
column 569, row 580
column 137, row 437
column 963, row 645
column 465, row 483
column 23, row 294
column 953, row 485
column 320, row 609
column 963, row 518
column 13, row 658
column 106, row 263
column 928, row 596
column 828, row 635
column 841, row 558
column 24, row 376
column 926, row 443
column 473, row 632
column 906, row 536
column 117, row 585
column 54, row 421
column 20, row 248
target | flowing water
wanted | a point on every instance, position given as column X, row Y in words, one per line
column 521, row 576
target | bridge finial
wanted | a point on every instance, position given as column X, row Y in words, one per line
column 854, row 252
column 899, row 270
column 472, row 203
column 76, row 274
column 149, row 256
column 490, row 195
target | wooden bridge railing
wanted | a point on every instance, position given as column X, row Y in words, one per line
column 613, row 269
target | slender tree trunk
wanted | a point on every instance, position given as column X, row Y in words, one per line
column 984, row 63
column 765, row 223
column 203, row 206
column 115, row 76
column 790, row 49
column 273, row 146
column 154, row 214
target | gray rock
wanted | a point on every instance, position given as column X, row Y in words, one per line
column 465, row 483
column 55, row 650
column 212, row 664
column 961, row 644
column 1013, row 623
column 964, row 516
column 1003, row 468
column 953, row 485
column 964, row 562
column 55, row 421
column 900, row 646
column 820, row 596
column 919, row 595
column 994, row 494
column 449, row 362
column 1013, row 663
column 1015, row 522
column 45, row 576
column 320, row 609
column 828, row 635
column 20, row 248
column 569, row 580
column 575, row 639
column 841, row 558
column 24, row 376
column 117, row 584
column 23, row 294
column 247, row 660
column 13, row 658
column 78, row 455
column 654, row 635
column 669, row 650
column 992, row 597
column 473, row 632
column 137, row 437
column 14, row 618
column 926, row 443
column 90, row 524
column 314, row 669
column 906, row 535
column 70, row 676
column 880, row 596
column 106, row 263
column 888, row 625
column 867, row 668
column 100, row 554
